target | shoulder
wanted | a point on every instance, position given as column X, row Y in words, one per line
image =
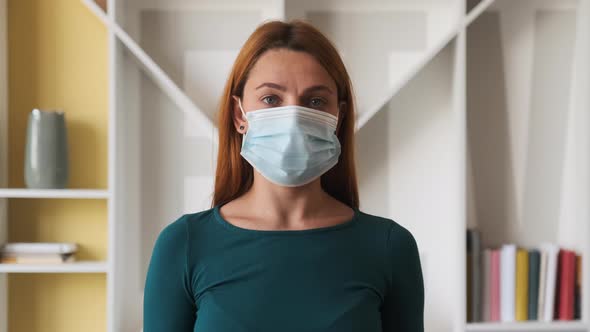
column 178, row 231
column 172, row 235
column 399, row 240
column 394, row 230
column 190, row 220
column 402, row 256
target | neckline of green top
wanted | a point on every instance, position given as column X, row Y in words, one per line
column 235, row 228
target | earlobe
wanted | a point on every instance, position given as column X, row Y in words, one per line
column 342, row 107
column 238, row 115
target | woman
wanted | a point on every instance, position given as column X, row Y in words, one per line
column 284, row 246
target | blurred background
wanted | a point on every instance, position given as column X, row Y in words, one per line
column 472, row 118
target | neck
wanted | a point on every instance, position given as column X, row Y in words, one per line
column 286, row 203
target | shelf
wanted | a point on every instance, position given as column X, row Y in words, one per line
column 75, row 267
column 528, row 326
column 54, row 193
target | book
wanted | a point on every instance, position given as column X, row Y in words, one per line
column 37, row 258
column 486, row 274
column 550, row 281
column 578, row 289
column 534, row 269
column 522, row 285
column 495, row 286
column 567, row 279
column 507, row 282
column 39, row 248
column 468, row 278
column 542, row 284
column 557, row 284
column 473, row 249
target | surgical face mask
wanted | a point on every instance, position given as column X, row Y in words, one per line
column 290, row 145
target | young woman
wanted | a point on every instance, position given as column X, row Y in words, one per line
column 284, row 246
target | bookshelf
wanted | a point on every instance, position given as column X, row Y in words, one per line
column 526, row 118
column 459, row 102
column 74, row 287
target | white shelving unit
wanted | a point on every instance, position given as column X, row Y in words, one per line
column 415, row 67
column 469, row 113
column 527, row 122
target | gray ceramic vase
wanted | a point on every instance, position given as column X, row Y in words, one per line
column 46, row 151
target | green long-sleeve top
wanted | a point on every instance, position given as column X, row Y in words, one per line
column 208, row 275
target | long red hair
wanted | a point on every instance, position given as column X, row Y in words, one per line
column 234, row 175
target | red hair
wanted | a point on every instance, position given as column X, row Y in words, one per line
column 234, row 175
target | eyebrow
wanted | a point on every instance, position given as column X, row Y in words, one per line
column 282, row 88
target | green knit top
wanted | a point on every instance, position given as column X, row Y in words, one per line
column 208, row 275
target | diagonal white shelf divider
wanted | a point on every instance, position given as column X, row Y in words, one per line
column 476, row 11
column 161, row 79
column 364, row 117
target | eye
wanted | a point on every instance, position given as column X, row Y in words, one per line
column 317, row 102
column 270, row 100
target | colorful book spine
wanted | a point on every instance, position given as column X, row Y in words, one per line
column 508, row 283
column 475, row 276
column 550, row 281
column 522, row 285
column 486, row 274
column 542, row 283
column 578, row 294
column 513, row 284
column 534, row 269
column 468, row 277
column 567, row 281
column 495, row 300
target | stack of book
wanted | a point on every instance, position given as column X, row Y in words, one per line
column 38, row 253
column 510, row 283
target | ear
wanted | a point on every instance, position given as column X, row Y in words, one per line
column 238, row 117
column 341, row 115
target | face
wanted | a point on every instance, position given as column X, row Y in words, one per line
column 283, row 77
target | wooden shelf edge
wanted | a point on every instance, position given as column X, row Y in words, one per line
column 75, row 267
column 54, row 193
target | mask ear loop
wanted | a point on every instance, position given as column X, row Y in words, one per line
column 241, row 109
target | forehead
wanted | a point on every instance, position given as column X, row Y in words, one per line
column 293, row 69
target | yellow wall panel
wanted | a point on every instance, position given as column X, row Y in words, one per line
column 57, row 58
column 61, row 220
column 57, row 302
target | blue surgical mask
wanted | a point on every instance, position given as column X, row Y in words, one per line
column 290, row 145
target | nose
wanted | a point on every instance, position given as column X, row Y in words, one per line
column 291, row 99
